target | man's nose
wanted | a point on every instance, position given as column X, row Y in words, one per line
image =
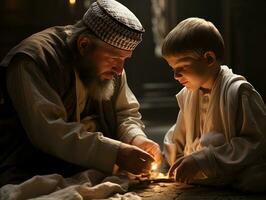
column 118, row 69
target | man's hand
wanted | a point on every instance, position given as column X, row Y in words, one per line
column 150, row 147
column 185, row 169
column 133, row 159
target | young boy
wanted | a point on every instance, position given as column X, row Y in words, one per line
column 219, row 135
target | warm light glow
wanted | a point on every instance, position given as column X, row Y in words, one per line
column 72, row 2
column 161, row 175
column 154, row 167
column 158, row 175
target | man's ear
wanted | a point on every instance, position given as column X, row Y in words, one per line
column 210, row 57
column 83, row 43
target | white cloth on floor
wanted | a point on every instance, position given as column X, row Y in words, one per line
column 90, row 184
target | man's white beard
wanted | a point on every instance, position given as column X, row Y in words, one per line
column 101, row 90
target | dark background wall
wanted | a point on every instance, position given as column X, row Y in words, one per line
column 241, row 22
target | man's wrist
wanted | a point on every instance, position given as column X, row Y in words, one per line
column 136, row 137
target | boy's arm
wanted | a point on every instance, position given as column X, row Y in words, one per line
column 174, row 140
column 247, row 147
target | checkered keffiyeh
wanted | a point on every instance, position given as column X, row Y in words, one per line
column 114, row 23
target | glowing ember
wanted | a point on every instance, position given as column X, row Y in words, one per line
column 161, row 175
column 155, row 174
column 158, row 175
column 72, row 2
column 154, row 167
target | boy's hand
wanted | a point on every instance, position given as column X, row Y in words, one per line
column 150, row 147
column 133, row 159
column 185, row 169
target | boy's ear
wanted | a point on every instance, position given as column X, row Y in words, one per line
column 210, row 57
column 83, row 42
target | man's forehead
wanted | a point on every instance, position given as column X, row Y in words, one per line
column 114, row 51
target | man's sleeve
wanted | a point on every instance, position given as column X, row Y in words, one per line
column 128, row 116
column 43, row 116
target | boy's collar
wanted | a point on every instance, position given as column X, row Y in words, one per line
column 205, row 91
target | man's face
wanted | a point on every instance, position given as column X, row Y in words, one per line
column 99, row 64
column 190, row 69
column 108, row 60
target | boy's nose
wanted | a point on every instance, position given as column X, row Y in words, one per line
column 177, row 75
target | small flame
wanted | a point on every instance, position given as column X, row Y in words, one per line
column 72, row 2
column 155, row 174
column 154, row 167
column 161, row 175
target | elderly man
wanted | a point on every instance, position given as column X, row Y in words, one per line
column 65, row 102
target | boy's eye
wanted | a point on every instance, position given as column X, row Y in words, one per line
column 178, row 70
column 181, row 69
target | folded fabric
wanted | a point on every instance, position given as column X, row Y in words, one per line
column 90, row 184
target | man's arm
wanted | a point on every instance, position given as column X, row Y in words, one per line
column 128, row 116
column 43, row 116
column 130, row 126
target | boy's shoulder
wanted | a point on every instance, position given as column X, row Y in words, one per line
column 182, row 93
column 233, row 86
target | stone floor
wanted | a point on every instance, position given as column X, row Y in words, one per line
column 176, row 191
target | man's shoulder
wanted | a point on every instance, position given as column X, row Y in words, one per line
column 51, row 35
column 52, row 29
column 49, row 41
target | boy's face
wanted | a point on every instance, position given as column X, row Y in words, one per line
column 191, row 70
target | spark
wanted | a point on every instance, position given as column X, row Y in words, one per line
column 154, row 167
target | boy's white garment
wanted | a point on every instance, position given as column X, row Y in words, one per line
column 204, row 102
column 233, row 134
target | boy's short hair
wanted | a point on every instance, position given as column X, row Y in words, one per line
column 194, row 34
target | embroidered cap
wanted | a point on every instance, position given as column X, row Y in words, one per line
column 115, row 24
